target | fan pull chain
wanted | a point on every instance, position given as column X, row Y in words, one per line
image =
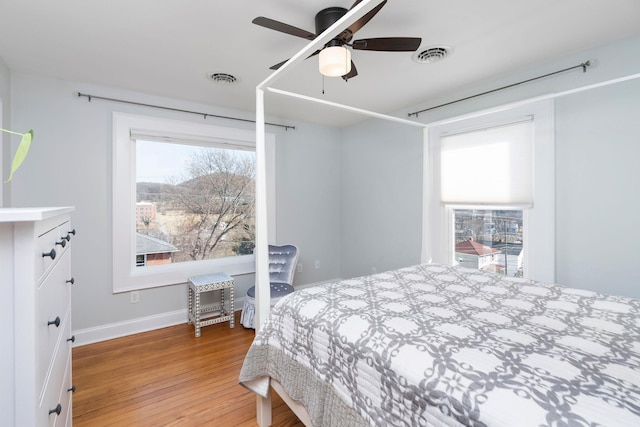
column 322, row 83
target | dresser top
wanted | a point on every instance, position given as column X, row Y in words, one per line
column 32, row 214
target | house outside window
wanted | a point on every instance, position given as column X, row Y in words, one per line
column 145, row 214
column 150, row 251
column 490, row 240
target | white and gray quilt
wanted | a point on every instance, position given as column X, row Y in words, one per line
column 433, row 345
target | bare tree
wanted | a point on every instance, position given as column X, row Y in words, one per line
column 219, row 201
column 146, row 220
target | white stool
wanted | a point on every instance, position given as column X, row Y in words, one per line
column 207, row 283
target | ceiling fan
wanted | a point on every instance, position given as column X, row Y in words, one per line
column 335, row 58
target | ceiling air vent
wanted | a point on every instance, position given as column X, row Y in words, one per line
column 432, row 54
column 222, row 78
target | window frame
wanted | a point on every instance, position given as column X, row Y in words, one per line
column 126, row 275
column 538, row 220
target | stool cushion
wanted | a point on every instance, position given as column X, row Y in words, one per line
column 278, row 290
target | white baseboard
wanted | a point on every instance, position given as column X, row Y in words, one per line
column 135, row 326
column 129, row 327
column 145, row 324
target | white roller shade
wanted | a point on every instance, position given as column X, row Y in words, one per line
column 492, row 166
column 177, row 138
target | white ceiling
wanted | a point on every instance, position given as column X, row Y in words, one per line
column 166, row 47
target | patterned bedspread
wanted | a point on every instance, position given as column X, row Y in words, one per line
column 442, row 346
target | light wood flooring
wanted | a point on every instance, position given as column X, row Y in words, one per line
column 167, row 377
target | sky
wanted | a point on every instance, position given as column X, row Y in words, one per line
column 162, row 160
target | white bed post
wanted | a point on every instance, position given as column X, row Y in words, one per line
column 427, row 184
column 262, row 239
column 263, row 289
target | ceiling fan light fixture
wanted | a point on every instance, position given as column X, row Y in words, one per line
column 334, row 61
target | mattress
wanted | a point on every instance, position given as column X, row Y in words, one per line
column 445, row 346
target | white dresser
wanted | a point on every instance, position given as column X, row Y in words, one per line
column 35, row 311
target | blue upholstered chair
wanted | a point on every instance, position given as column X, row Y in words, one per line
column 282, row 266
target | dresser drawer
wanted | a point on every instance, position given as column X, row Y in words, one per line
column 52, row 241
column 46, row 363
column 66, row 399
column 53, row 306
column 56, row 389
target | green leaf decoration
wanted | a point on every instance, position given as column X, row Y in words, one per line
column 21, row 152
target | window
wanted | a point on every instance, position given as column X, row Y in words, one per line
column 193, row 202
column 489, row 239
column 491, row 185
column 183, row 200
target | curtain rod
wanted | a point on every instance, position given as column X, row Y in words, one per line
column 204, row 115
column 583, row 65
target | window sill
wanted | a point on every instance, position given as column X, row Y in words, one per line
column 172, row 274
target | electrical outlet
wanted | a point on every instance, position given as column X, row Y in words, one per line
column 317, row 263
column 374, row 270
column 299, row 267
column 134, row 297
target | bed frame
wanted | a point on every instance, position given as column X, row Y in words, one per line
column 264, row 406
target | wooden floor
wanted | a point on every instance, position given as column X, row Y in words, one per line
column 168, row 377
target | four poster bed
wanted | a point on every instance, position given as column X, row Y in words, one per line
column 447, row 346
column 434, row 344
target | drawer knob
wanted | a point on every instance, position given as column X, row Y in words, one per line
column 72, row 281
column 62, row 242
column 72, row 339
column 57, row 410
column 72, row 389
column 51, row 253
column 56, row 322
column 69, row 233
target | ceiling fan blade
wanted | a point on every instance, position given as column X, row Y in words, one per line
column 280, row 64
column 283, row 28
column 366, row 18
column 351, row 74
column 388, row 44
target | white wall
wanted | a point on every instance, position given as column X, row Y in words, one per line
column 381, row 197
column 308, row 199
column 5, row 119
column 597, row 152
column 597, row 189
column 70, row 164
